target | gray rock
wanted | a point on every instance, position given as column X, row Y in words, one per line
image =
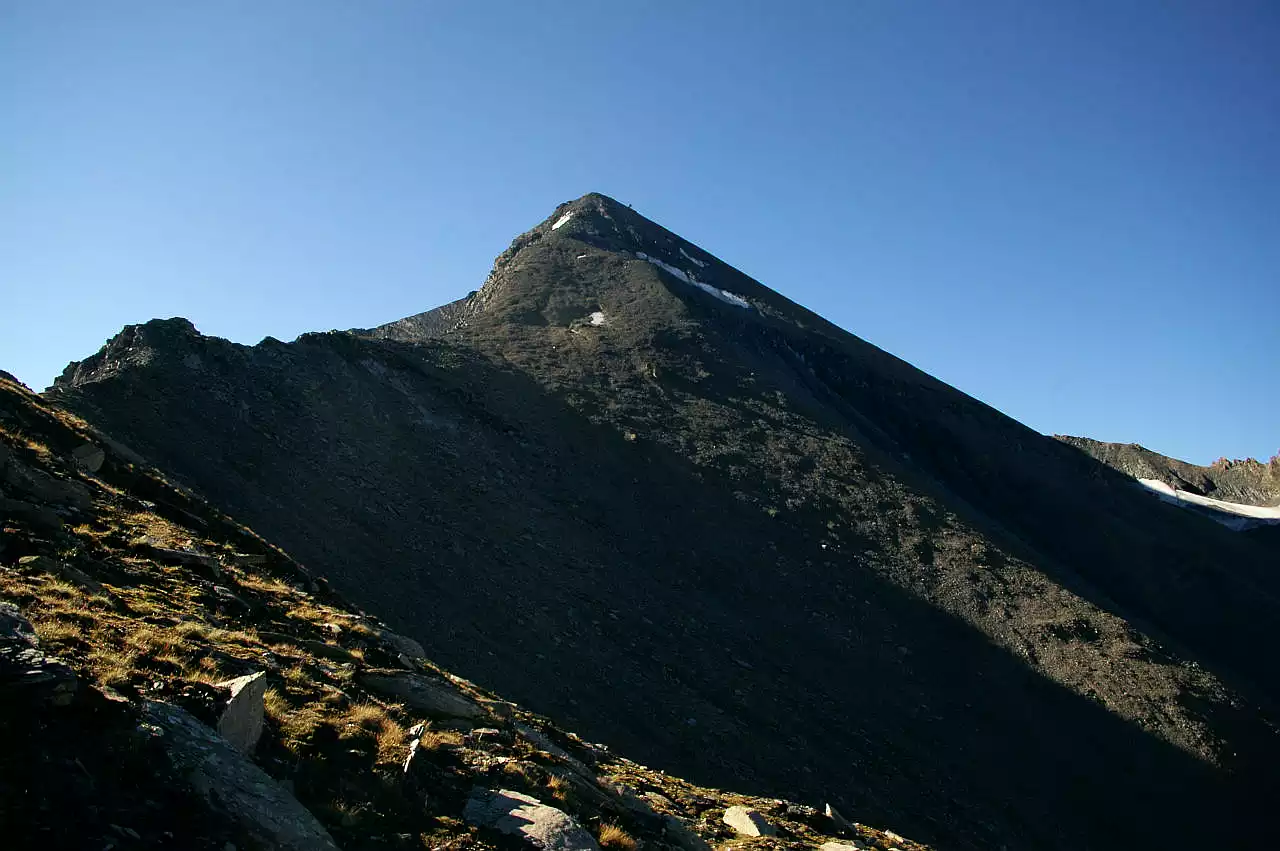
column 424, row 694
column 748, row 822
column 402, row 644
column 89, row 457
column 27, row 675
column 232, row 785
column 241, row 721
column 842, row 846
column 520, row 815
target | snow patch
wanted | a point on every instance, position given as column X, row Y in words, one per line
column 562, row 220
column 694, row 260
column 724, row 295
column 597, row 318
column 1245, row 513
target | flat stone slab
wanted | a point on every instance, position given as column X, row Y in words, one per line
column 748, row 822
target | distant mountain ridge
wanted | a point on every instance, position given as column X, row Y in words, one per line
column 628, row 485
column 1246, row 481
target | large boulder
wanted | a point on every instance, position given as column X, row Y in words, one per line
column 232, row 785
column 433, row 697
column 520, row 815
column 242, row 719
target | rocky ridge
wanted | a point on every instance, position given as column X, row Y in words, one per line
column 1246, row 481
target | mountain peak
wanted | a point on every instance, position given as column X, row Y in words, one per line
column 590, row 251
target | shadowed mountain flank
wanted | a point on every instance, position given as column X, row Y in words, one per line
column 628, row 485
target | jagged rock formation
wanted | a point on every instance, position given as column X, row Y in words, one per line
column 627, row 485
column 1246, row 481
column 118, row 741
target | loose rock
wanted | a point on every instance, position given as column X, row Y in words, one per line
column 520, row 815
column 241, row 722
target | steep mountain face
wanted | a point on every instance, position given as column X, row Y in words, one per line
column 1247, row 481
column 631, row 487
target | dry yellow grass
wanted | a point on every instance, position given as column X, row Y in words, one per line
column 615, row 838
column 558, row 787
column 391, row 741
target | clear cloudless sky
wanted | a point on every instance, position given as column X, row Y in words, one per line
column 1070, row 210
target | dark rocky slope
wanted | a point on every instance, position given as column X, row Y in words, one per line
column 741, row 543
column 339, row 734
column 1246, row 481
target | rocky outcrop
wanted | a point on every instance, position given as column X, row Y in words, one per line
column 233, row 786
column 520, row 815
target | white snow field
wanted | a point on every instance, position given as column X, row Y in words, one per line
column 1232, row 514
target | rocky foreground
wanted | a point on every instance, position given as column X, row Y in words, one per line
column 168, row 679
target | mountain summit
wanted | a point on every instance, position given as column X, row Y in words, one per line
column 628, row 485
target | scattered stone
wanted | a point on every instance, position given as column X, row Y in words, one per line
column 232, row 785
column 421, row 693
column 89, row 457
column 748, row 822
column 241, row 722
column 520, row 815
column 842, row 846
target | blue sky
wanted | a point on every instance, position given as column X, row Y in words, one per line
column 1069, row 210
